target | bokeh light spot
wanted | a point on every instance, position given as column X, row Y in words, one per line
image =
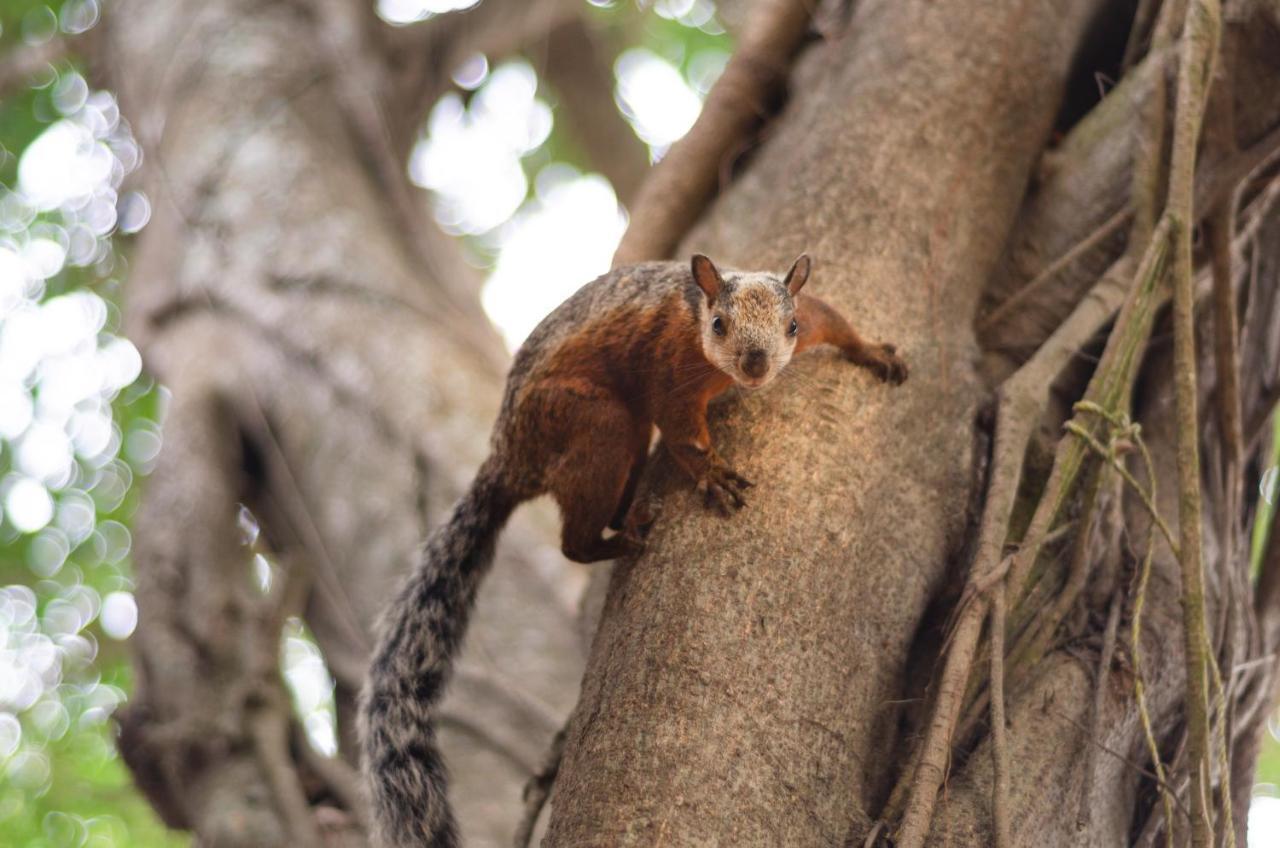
column 10, row 734
column 48, row 551
column 29, row 770
column 655, row 98
column 63, row 164
column 79, row 16
column 119, row 615
column 27, row 504
column 134, row 212
column 311, row 685
column 39, row 25
column 471, row 156
column 472, row 73
column 63, row 829
column 1264, row 816
column 50, row 720
column 563, row 240
column 410, row 11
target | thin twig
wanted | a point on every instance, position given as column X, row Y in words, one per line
column 999, row 748
column 1110, row 385
column 1224, row 761
column 1218, row 231
column 1021, row 400
column 481, row 732
column 267, row 726
column 341, row 779
column 1135, row 647
column 1036, row 640
column 1150, row 153
column 1145, row 496
column 1199, row 47
column 1139, row 686
column 1141, row 28
column 1049, row 276
column 538, row 789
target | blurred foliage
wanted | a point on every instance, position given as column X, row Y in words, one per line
column 77, row 428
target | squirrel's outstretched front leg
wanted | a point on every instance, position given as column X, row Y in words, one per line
column 821, row 324
column 684, row 432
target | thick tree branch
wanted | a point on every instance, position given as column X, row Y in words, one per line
column 686, row 179
column 278, row 273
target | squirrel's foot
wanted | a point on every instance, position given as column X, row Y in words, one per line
column 884, row 362
column 640, row 520
column 633, row 545
column 722, row 487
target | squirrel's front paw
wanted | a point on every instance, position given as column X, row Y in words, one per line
column 884, row 362
column 722, row 488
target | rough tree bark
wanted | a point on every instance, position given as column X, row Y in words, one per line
column 742, row 681
column 747, row 680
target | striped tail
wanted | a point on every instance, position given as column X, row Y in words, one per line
column 420, row 634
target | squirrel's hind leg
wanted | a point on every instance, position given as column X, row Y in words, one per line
column 591, row 480
column 640, row 438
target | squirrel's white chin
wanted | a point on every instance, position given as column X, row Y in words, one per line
column 753, row 382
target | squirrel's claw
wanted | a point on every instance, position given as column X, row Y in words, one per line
column 640, row 520
column 721, row 489
column 887, row 365
column 634, row 545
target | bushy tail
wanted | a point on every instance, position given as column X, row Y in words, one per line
column 420, row 634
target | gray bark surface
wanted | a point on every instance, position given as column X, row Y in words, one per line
column 741, row 686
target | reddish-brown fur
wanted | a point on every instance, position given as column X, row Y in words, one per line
column 622, row 356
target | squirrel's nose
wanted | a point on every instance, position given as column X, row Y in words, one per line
column 754, row 363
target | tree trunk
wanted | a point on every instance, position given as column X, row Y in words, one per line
column 748, row 680
column 330, row 369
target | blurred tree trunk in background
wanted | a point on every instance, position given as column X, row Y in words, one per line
column 758, row 681
column 331, row 370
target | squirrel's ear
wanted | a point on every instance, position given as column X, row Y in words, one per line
column 798, row 275
column 706, row 276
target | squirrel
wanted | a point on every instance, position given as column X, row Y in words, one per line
column 642, row 346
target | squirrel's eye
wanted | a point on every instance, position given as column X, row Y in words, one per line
column 794, row 328
column 717, row 325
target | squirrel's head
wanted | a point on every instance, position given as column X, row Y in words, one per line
column 749, row 324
